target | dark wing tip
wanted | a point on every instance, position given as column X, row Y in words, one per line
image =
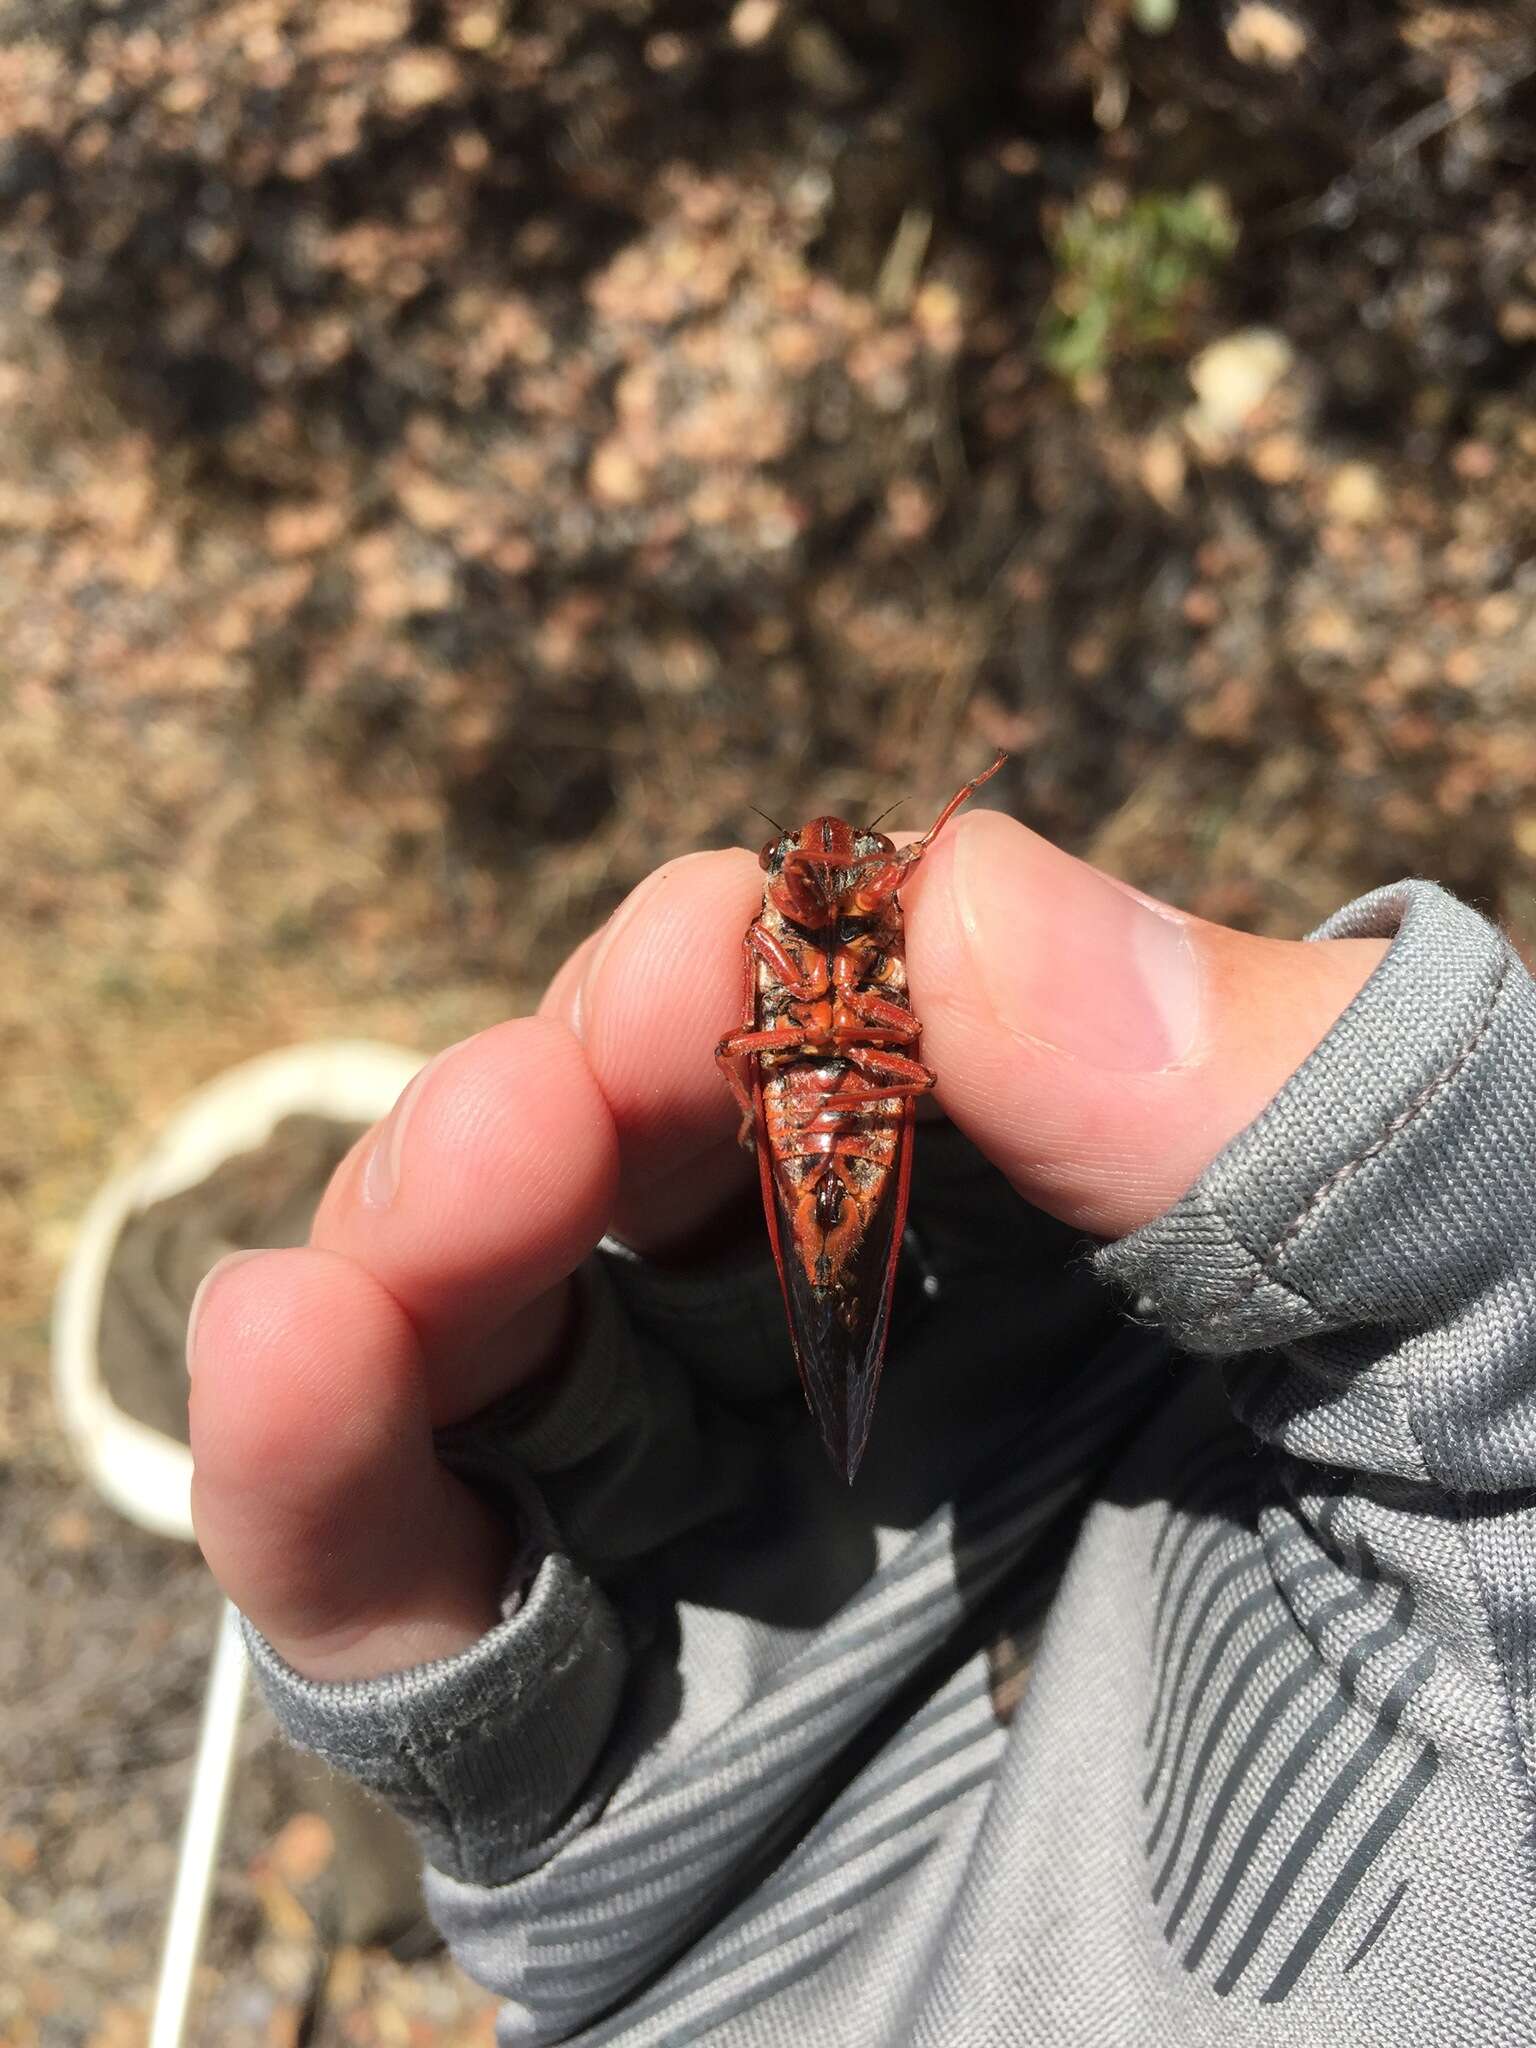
column 844, row 1434
column 840, row 1371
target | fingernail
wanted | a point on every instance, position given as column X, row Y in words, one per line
column 1072, row 961
column 381, row 1169
column 200, row 1299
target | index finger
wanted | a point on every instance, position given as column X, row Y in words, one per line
column 649, row 997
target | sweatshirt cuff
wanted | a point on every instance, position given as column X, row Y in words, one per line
column 1382, row 1173
column 487, row 1753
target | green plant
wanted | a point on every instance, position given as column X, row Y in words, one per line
column 1129, row 274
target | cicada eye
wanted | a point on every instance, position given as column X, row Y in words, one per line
column 765, row 858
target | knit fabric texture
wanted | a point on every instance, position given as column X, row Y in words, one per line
column 1167, row 1676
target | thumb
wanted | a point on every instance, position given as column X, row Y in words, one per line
column 1098, row 1046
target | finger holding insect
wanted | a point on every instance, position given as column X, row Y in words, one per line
column 483, row 1189
column 648, row 1003
column 509, row 1156
column 315, row 1476
column 1101, row 1047
column 562, row 998
column 433, row 1285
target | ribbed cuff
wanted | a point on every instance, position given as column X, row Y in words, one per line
column 1356, row 1196
column 487, row 1753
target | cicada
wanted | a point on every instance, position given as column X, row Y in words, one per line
column 826, row 1073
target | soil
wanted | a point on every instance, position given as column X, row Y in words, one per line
column 259, row 1200
column 460, row 455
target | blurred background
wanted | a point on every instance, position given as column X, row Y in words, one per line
column 459, row 453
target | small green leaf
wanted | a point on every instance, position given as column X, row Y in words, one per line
column 1129, row 278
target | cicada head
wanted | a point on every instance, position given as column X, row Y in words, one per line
column 808, row 870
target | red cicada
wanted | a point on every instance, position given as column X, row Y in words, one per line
column 825, row 1071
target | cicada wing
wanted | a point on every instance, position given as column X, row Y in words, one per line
column 839, row 1328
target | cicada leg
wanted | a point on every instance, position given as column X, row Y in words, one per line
column 739, row 1045
column 880, row 1014
column 888, row 872
column 891, row 1075
column 797, row 984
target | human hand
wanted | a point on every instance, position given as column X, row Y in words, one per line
column 1098, row 1048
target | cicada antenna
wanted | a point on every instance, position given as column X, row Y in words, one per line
column 768, row 821
column 883, row 815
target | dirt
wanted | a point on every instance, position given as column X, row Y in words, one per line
column 258, row 1200
column 458, row 456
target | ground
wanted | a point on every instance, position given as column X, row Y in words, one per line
column 458, row 456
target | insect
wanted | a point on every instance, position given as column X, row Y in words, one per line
column 826, row 1074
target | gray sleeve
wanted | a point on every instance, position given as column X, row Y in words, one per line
column 483, row 1753
column 496, row 1755
column 737, row 1767
column 1363, row 1258
column 1376, row 1221
column 1387, row 1183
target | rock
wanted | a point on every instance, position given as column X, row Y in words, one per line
column 120, row 2027
column 1265, row 35
column 939, row 317
column 1278, row 458
column 1233, row 377
column 1474, row 461
column 347, row 27
column 302, row 1848
column 1356, row 495
column 1498, row 615
column 303, row 528
column 615, row 476
column 18, row 1851
column 1155, row 17
column 479, row 29
column 1329, row 630
column 753, row 21
column 1162, row 469
column 71, row 1530
column 419, row 78
column 910, row 509
column 821, row 64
